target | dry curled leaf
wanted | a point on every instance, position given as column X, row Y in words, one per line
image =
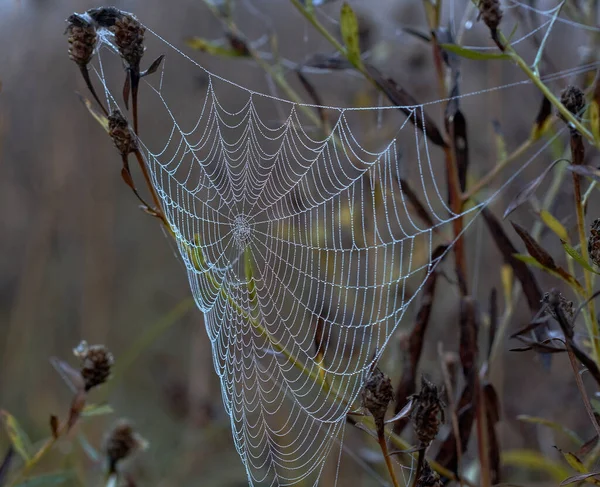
column 414, row 347
column 579, row 478
column 405, row 102
column 530, row 286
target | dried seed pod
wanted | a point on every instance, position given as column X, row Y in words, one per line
column 122, row 136
column 594, row 242
column 573, row 99
column 129, row 38
column 82, row 39
column 491, row 13
column 377, row 395
column 105, row 16
column 96, row 362
column 427, row 477
column 564, row 304
column 121, row 442
column 428, row 412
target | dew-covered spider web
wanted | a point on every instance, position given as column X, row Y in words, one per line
column 302, row 239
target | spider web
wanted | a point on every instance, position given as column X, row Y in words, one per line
column 302, row 249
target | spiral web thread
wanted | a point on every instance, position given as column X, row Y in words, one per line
column 302, row 252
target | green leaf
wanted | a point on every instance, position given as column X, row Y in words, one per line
column 58, row 478
column 533, row 460
column 90, row 451
column 349, row 28
column 100, row 118
column 501, row 151
column 574, row 462
column 475, row 55
column 213, row 48
column 543, row 119
column 97, row 410
column 554, row 225
column 577, row 465
column 19, row 439
column 551, row 424
column 594, row 117
column 570, row 280
column 577, row 257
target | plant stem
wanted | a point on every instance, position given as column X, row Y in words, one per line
column 490, row 176
column 572, row 119
column 157, row 203
column 386, row 456
column 577, row 159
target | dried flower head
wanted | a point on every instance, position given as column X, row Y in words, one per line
column 96, row 362
column 427, row 413
column 121, row 442
column 121, row 134
column 491, row 13
column 82, row 39
column 594, row 242
column 565, row 305
column 105, row 16
column 377, row 395
column 427, row 477
column 573, row 99
column 129, row 38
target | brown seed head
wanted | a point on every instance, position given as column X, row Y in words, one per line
column 129, row 38
column 594, row 242
column 82, row 39
column 121, row 442
column 377, row 395
column 427, row 477
column 491, row 13
column 105, row 16
column 428, row 412
column 121, row 134
column 573, row 99
column 96, row 362
column 565, row 305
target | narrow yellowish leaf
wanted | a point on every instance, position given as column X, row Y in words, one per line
column 533, row 460
column 19, row 439
column 594, row 116
column 507, row 282
column 349, row 28
column 553, row 224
